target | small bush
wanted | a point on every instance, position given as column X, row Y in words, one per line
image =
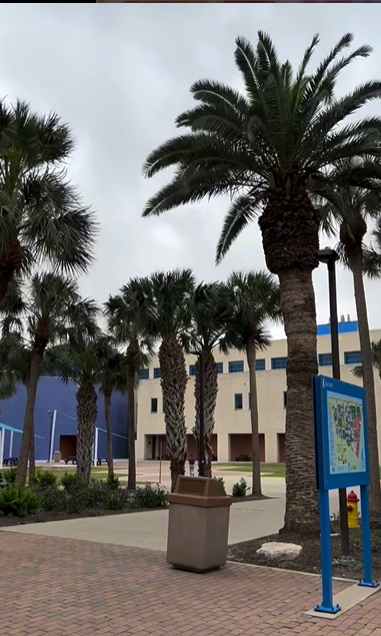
column 221, row 480
column 45, row 478
column 149, row 497
column 51, row 498
column 10, row 475
column 17, row 501
column 240, row 488
column 113, row 482
column 72, row 480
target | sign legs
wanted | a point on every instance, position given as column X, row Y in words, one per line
column 366, row 540
column 327, row 605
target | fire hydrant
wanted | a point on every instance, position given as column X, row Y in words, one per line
column 353, row 510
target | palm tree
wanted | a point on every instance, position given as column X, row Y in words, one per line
column 210, row 312
column 126, row 322
column 268, row 149
column 82, row 362
column 255, row 298
column 358, row 371
column 164, row 300
column 351, row 208
column 112, row 378
column 372, row 254
column 53, row 310
column 42, row 219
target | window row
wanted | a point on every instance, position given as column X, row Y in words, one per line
column 238, row 402
column 277, row 364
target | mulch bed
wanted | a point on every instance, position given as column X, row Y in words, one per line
column 42, row 517
column 310, row 557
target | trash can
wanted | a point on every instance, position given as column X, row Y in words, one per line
column 57, row 456
column 198, row 524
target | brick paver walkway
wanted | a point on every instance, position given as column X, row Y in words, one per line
column 64, row 587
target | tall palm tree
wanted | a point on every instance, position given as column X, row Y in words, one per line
column 127, row 322
column 82, row 362
column 112, row 378
column 358, row 371
column 255, row 298
column 268, row 148
column 372, row 254
column 210, row 312
column 351, row 208
column 42, row 219
column 53, row 310
column 164, row 298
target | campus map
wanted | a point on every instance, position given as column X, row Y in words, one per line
column 346, row 434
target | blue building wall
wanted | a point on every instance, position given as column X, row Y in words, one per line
column 351, row 326
column 52, row 394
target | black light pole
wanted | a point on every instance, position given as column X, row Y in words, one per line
column 329, row 257
column 201, row 457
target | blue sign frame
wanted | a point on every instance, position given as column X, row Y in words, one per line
column 324, row 388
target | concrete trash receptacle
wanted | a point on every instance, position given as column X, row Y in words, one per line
column 57, row 456
column 198, row 524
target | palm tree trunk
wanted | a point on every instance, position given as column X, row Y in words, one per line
column 32, row 455
column 28, row 426
column 173, row 385
column 110, row 457
column 131, row 381
column 210, row 400
column 87, row 411
column 251, row 355
column 299, row 315
column 368, row 381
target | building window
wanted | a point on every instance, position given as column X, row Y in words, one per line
column 192, row 370
column 325, row 359
column 238, row 401
column 153, row 405
column 284, row 399
column 278, row 363
column 235, row 367
column 220, row 367
column 352, row 357
column 157, row 373
column 260, row 365
column 143, row 374
column 249, row 401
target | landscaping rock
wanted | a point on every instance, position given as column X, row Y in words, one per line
column 280, row 551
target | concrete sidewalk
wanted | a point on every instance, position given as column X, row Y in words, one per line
column 248, row 520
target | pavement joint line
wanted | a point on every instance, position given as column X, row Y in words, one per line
column 269, row 567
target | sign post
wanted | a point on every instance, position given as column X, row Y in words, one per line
column 342, row 461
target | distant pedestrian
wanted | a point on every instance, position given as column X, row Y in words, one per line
column 191, row 465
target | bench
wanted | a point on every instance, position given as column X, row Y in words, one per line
column 102, row 459
column 73, row 460
column 11, row 461
column 243, row 458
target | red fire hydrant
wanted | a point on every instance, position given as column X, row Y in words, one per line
column 353, row 510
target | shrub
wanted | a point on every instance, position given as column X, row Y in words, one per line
column 113, row 482
column 51, row 498
column 10, row 475
column 240, row 488
column 72, row 480
column 149, row 497
column 221, row 480
column 17, row 501
column 45, row 478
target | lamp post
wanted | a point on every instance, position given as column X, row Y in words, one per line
column 329, row 257
column 201, row 457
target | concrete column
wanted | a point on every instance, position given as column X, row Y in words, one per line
column 223, row 447
column 271, row 441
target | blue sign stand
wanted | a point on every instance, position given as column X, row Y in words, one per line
column 342, row 461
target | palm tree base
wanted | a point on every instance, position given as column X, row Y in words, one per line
column 177, row 468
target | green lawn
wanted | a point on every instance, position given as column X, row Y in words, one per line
column 267, row 470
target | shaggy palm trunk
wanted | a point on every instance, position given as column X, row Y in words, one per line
column 28, row 426
column 368, row 381
column 290, row 235
column 110, row 457
column 131, row 382
column 210, row 400
column 173, row 385
column 87, row 411
column 251, row 355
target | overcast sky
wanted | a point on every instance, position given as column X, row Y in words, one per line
column 120, row 75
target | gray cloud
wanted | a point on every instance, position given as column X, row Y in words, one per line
column 120, row 75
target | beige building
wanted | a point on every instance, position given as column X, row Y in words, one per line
column 232, row 417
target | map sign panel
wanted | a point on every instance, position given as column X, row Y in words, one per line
column 345, row 434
